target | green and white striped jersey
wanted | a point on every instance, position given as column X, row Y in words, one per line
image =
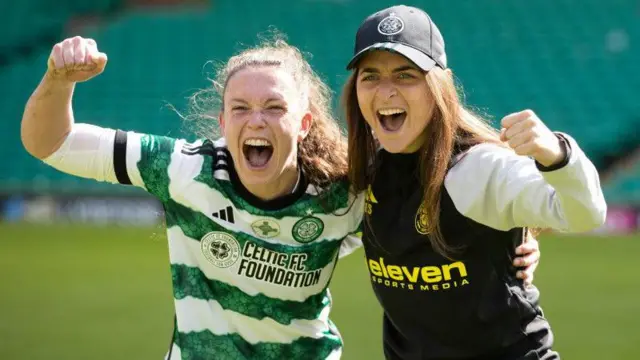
column 250, row 279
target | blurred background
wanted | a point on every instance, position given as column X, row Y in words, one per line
column 84, row 266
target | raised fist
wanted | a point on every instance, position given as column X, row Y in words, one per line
column 76, row 60
column 529, row 136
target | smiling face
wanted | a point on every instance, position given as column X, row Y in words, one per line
column 263, row 120
column 394, row 98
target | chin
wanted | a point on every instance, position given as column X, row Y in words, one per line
column 257, row 177
column 399, row 143
column 392, row 149
column 395, row 146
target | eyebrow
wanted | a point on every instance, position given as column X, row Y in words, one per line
column 242, row 101
column 398, row 69
column 272, row 99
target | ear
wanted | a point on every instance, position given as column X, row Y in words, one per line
column 448, row 72
column 305, row 126
column 221, row 121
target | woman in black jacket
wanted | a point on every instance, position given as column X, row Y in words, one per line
column 449, row 199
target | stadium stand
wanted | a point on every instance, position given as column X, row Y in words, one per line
column 31, row 25
column 575, row 65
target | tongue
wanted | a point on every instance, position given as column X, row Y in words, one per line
column 258, row 156
column 392, row 122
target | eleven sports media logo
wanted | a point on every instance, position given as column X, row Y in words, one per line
column 423, row 278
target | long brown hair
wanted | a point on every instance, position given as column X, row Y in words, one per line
column 323, row 153
column 452, row 124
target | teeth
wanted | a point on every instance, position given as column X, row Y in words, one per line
column 257, row 142
column 390, row 111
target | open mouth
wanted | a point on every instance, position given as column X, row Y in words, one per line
column 257, row 152
column 391, row 119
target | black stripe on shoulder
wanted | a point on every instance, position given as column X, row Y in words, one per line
column 205, row 149
column 120, row 157
column 222, row 158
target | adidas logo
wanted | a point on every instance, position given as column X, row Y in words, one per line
column 224, row 214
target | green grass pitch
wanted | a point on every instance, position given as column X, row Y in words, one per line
column 74, row 292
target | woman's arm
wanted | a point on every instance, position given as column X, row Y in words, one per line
column 48, row 115
column 499, row 188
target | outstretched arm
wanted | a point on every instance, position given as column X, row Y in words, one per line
column 48, row 115
column 50, row 134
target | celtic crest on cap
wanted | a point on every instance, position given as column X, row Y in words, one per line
column 391, row 25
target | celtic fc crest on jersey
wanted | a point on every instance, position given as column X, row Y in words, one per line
column 422, row 221
column 220, row 248
column 307, row 229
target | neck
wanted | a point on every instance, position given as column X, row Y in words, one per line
column 418, row 143
column 284, row 185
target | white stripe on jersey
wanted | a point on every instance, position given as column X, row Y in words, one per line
column 176, row 354
column 335, row 354
column 209, row 315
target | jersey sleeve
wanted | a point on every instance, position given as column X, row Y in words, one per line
column 116, row 156
column 495, row 187
column 351, row 243
column 354, row 239
column 147, row 161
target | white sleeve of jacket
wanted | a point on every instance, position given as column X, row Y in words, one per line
column 495, row 187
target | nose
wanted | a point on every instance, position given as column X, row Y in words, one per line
column 256, row 121
column 386, row 90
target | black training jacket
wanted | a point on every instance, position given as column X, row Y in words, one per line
column 469, row 306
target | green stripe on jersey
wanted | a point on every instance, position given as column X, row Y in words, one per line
column 205, row 345
column 154, row 163
column 190, row 281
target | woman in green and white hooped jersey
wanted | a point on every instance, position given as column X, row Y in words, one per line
column 256, row 220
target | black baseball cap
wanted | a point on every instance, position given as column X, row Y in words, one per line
column 406, row 30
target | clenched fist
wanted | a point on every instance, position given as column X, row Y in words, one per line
column 76, row 60
column 529, row 136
